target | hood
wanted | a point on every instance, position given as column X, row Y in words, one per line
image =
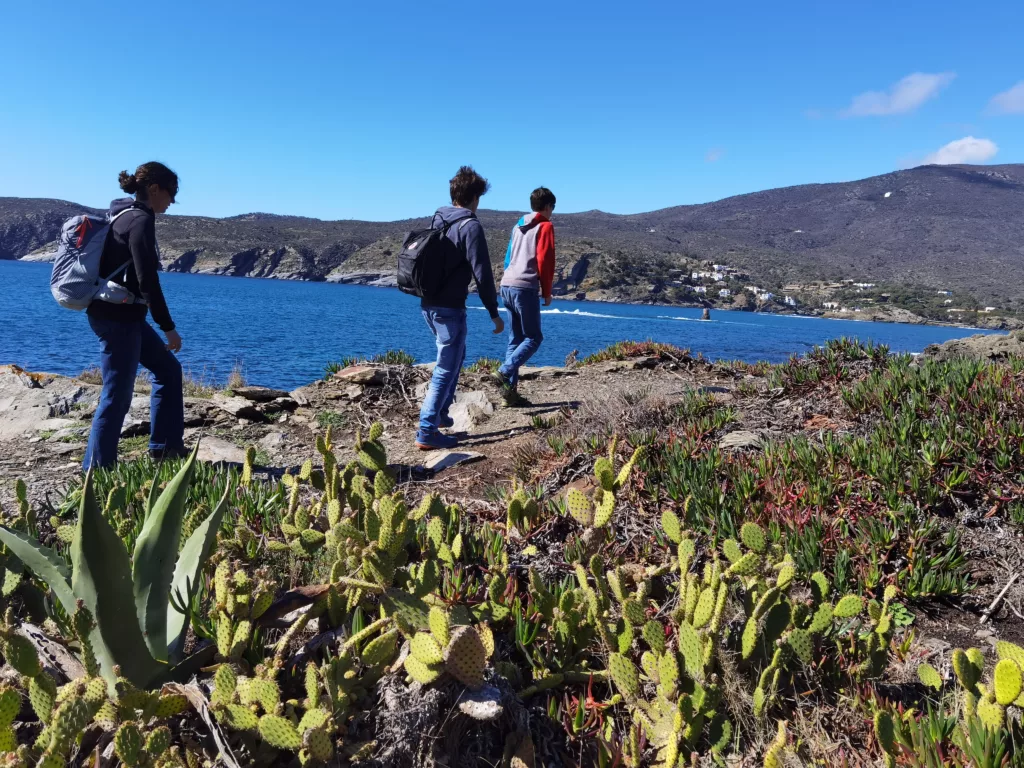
column 124, row 203
column 529, row 221
column 450, row 214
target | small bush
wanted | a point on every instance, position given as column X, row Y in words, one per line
column 625, row 350
column 484, row 365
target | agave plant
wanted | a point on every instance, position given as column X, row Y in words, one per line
column 114, row 586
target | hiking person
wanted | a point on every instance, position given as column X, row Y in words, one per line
column 444, row 306
column 126, row 339
column 529, row 272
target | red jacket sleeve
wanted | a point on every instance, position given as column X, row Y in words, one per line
column 546, row 257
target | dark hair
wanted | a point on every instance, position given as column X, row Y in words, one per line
column 541, row 198
column 467, row 185
column 149, row 173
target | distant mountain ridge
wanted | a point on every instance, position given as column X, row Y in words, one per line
column 943, row 227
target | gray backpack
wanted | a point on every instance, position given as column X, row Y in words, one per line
column 75, row 281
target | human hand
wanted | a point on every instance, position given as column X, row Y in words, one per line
column 499, row 325
column 547, row 301
column 173, row 341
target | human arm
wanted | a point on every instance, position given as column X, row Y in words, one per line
column 142, row 245
column 480, row 263
column 546, row 259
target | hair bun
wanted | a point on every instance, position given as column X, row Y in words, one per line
column 128, row 182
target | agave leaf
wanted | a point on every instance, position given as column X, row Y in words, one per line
column 102, row 578
column 43, row 562
column 189, row 571
column 155, row 554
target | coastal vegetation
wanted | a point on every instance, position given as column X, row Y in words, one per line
column 642, row 588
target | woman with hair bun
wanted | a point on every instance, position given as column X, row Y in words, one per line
column 126, row 339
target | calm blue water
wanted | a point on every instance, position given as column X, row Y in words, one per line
column 284, row 332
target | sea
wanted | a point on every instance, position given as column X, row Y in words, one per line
column 282, row 333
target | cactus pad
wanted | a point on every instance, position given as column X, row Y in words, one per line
column 605, row 474
column 10, row 705
column 746, row 565
column 885, row 732
column 238, row 717
column 1010, row 651
column 991, row 714
column 668, row 672
column 21, row 654
column 42, row 694
column 802, row 643
column 624, row 675
column 426, row 648
column 966, row 672
column 279, row 732
column 1006, row 681
column 170, row 705
column 633, row 612
column 128, row 743
column 670, row 524
column 752, row 536
column 749, row 637
column 654, row 636
column 579, row 507
column 690, row 647
column 731, row 550
column 440, row 625
column 929, row 676
column 821, row 620
column 848, row 607
column 705, row 607
column 466, row 657
column 604, row 510
column 318, row 744
column 421, row 672
column 381, row 649
column 158, row 741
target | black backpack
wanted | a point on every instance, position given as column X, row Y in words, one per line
column 425, row 259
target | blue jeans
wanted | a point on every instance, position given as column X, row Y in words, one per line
column 123, row 347
column 524, row 337
column 449, row 329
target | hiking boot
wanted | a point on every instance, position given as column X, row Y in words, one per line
column 435, row 441
column 513, row 399
column 168, row 454
column 446, row 422
column 501, row 380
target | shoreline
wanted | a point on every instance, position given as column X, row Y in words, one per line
column 369, row 279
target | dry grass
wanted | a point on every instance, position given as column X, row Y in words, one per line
column 236, row 378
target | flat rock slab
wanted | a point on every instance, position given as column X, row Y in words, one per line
column 546, row 372
column 634, row 364
column 442, row 460
column 214, row 450
column 27, row 400
column 739, row 440
column 361, row 374
column 470, row 409
column 237, row 406
column 258, row 394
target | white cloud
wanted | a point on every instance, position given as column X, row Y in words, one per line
column 714, row 155
column 905, row 96
column 1009, row 102
column 965, row 150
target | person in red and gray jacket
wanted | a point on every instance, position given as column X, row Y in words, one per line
column 529, row 272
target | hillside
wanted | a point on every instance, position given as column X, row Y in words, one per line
column 959, row 228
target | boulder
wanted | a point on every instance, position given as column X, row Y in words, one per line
column 214, row 450
column 469, row 409
column 361, row 374
column 258, row 394
column 979, row 347
column 739, row 440
column 238, row 407
column 273, row 440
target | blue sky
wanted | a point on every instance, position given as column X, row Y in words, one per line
column 364, row 110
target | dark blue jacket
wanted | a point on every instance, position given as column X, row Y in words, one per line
column 469, row 238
